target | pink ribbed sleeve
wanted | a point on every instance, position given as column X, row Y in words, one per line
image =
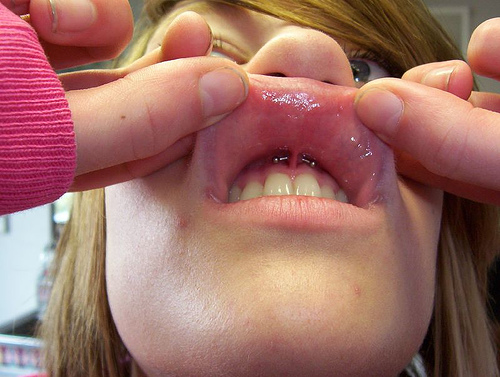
column 37, row 142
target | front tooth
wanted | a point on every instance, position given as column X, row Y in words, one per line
column 306, row 184
column 327, row 192
column 278, row 184
column 341, row 196
column 234, row 194
column 252, row 190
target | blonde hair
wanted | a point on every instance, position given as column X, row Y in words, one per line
column 78, row 330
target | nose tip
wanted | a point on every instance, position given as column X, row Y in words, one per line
column 302, row 52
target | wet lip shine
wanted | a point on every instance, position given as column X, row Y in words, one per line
column 301, row 117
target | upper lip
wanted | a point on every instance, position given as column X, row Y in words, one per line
column 300, row 116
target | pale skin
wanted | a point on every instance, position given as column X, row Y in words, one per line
column 134, row 138
column 131, row 154
column 282, row 292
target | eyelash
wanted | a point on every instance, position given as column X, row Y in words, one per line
column 376, row 58
column 219, row 44
column 217, row 41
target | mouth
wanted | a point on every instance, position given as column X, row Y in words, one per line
column 297, row 143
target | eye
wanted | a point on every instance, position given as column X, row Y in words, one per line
column 223, row 49
column 221, row 54
column 364, row 70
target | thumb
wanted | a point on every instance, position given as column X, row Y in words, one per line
column 445, row 134
column 149, row 110
column 77, row 32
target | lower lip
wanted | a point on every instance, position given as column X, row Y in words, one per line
column 295, row 213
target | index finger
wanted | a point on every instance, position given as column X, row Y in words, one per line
column 83, row 31
column 447, row 135
column 411, row 168
column 484, row 49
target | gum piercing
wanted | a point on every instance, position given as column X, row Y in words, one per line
column 308, row 161
column 277, row 160
column 304, row 159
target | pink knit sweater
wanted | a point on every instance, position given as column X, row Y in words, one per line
column 37, row 142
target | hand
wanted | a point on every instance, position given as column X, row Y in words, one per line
column 133, row 121
column 78, row 32
column 444, row 134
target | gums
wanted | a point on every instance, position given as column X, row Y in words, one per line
column 301, row 117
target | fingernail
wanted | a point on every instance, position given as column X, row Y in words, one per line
column 381, row 111
column 70, row 16
column 438, row 78
column 221, row 90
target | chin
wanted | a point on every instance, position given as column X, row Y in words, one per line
column 286, row 244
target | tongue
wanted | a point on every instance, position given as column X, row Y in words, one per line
column 304, row 118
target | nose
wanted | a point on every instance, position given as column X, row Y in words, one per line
column 301, row 52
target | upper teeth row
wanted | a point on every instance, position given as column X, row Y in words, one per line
column 282, row 184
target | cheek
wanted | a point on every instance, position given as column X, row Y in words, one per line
column 422, row 221
column 157, row 278
column 147, row 261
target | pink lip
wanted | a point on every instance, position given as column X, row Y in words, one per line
column 295, row 115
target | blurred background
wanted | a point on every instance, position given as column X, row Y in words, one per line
column 27, row 239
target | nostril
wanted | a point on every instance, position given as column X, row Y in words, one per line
column 276, row 74
column 279, row 74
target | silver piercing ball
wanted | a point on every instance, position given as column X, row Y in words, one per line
column 308, row 161
column 277, row 160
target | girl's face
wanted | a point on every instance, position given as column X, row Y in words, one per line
column 286, row 244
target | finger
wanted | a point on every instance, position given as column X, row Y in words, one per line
column 133, row 169
column 176, row 45
column 488, row 101
column 96, row 77
column 187, row 36
column 150, row 109
column 447, row 135
column 409, row 167
column 81, row 31
column 484, row 49
column 454, row 77
column 171, row 36
column 89, row 78
column 18, row 7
